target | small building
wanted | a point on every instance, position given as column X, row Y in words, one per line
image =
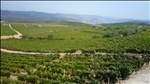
column 117, row 35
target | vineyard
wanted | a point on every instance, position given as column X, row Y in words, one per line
column 84, row 68
column 5, row 30
column 83, row 37
column 126, row 47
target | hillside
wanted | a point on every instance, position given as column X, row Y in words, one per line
column 62, row 52
column 129, row 24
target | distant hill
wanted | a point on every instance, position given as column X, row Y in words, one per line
column 54, row 23
column 40, row 16
column 138, row 23
column 125, row 25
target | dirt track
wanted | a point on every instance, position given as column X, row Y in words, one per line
column 141, row 77
column 36, row 53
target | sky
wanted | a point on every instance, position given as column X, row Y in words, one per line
column 138, row 10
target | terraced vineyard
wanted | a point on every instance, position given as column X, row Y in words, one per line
column 77, row 52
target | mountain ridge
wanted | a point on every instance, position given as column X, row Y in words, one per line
column 34, row 16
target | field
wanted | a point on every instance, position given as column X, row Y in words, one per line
column 109, row 52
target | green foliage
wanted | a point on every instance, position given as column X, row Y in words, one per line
column 5, row 30
column 117, row 38
column 22, row 77
column 69, row 37
column 5, row 80
column 50, row 37
column 125, row 71
column 5, row 73
column 31, row 79
column 84, row 68
column 95, row 37
column 108, row 35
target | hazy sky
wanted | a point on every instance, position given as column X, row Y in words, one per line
column 121, row 9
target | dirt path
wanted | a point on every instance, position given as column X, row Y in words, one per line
column 21, row 52
column 36, row 53
column 25, row 25
column 18, row 35
column 61, row 54
column 141, row 77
